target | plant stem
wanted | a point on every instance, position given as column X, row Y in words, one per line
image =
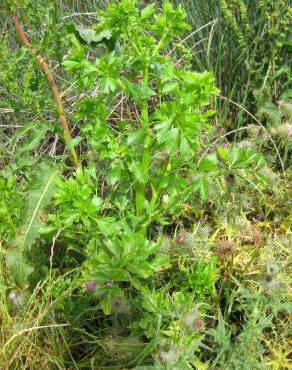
column 53, row 86
column 140, row 188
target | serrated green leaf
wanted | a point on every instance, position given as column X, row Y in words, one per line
column 19, row 268
column 90, row 35
column 169, row 87
column 114, row 174
column 209, row 162
column 73, row 142
column 107, row 226
column 139, row 91
column 148, row 11
column 137, row 172
column 223, row 152
column 202, row 187
column 38, row 195
column 135, row 136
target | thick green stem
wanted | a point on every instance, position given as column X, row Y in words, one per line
column 140, row 187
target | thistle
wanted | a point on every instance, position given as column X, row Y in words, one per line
column 241, row 223
column 203, row 231
column 169, row 356
column 256, row 235
column 120, row 305
column 193, row 322
column 225, row 249
column 16, row 299
column 164, row 246
column 184, row 241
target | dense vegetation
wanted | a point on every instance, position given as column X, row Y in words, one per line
column 145, row 184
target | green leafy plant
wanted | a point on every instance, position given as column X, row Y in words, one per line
column 27, row 231
column 167, row 248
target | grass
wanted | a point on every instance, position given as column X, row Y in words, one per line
column 244, row 311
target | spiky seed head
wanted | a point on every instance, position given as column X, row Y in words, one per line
column 284, row 131
column 268, row 173
column 169, row 356
column 184, row 241
column 255, row 235
column 165, row 246
column 120, row 305
column 225, row 249
column 245, row 144
column 270, row 283
column 193, row 322
column 203, row 231
column 241, row 223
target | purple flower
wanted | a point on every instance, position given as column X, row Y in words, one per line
column 224, row 145
column 12, row 296
column 16, row 299
column 90, row 285
column 290, row 130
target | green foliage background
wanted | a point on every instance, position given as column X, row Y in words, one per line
column 170, row 247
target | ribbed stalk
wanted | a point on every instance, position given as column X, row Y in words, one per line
column 140, row 187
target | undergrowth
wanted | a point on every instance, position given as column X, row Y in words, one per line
column 166, row 242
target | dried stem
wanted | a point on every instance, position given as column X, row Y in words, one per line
column 53, row 86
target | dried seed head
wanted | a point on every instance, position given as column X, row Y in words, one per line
column 165, row 246
column 169, row 356
column 245, row 144
column 255, row 235
column 193, row 322
column 229, row 178
column 241, row 223
column 268, row 174
column 16, row 299
column 270, row 283
column 203, row 231
column 120, row 305
column 225, row 249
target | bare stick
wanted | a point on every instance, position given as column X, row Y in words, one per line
column 53, row 86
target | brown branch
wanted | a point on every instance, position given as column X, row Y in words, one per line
column 53, row 86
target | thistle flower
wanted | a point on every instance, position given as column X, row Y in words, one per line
column 270, row 283
column 203, row 231
column 90, row 285
column 284, row 131
column 193, row 322
column 16, row 299
column 184, row 241
column 225, row 249
column 169, row 356
column 120, row 305
column 255, row 235
column 165, row 246
column 245, row 144
column 241, row 223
